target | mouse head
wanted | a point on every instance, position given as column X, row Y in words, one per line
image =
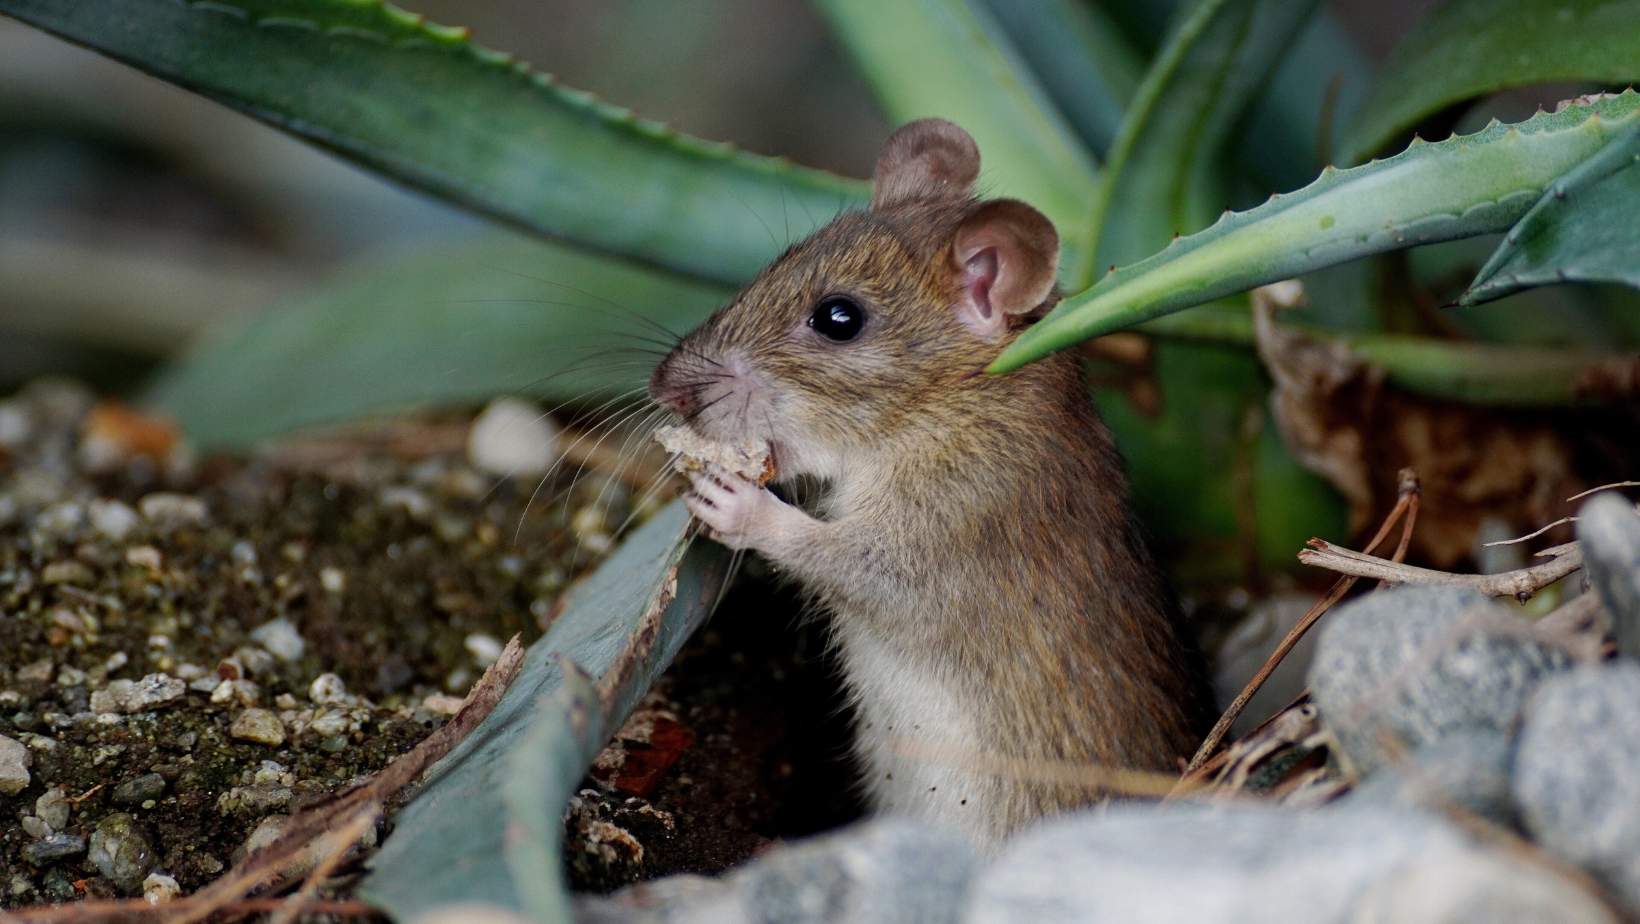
column 878, row 316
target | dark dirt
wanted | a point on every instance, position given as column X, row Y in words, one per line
column 396, row 566
column 769, row 759
column 398, row 575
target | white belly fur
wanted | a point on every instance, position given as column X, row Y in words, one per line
column 900, row 703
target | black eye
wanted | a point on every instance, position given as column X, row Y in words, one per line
column 838, row 319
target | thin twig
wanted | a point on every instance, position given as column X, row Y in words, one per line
column 1406, row 503
column 1531, row 535
column 1521, row 584
column 1604, row 487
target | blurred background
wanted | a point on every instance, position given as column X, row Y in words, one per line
column 132, row 213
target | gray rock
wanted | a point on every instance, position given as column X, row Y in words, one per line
column 53, row 807
column 14, row 763
column 884, row 871
column 281, row 639
column 140, row 789
column 1469, row 769
column 128, row 696
column 1249, row 645
column 1577, row 773
column 1419, row 663
column 120, row 850
column 49, row 850
column 1609, row 529
column 1477, row 887
column 1207, row 864
column 34, row 827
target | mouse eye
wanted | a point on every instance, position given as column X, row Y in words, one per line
column 838, row 319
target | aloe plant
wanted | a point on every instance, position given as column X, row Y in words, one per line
column 1127, row 121
column 1237, row 96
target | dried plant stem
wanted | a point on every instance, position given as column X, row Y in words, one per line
column 1405, row 504
column 1520, row 584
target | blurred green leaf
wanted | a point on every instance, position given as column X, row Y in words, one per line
column 945, row 58
column 501, row 315
column 1469, row 48
column 487, row 824
column 1218, row 492
column 423, row 105
column 1084, row 61
column 1465, row 186
column 1583, row 229
column 1166, row 174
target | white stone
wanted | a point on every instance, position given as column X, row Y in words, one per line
column 167, row 510
column 484, row 648
column 327, row 688
column 159, row 888
column 14, row 763
column 112, row 519
column 128, row 696
column 513, row 437
column 281, row 639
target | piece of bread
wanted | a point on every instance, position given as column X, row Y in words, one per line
column 691, row 451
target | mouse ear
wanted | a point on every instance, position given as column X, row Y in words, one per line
column 925, row 158
column 1007, row 260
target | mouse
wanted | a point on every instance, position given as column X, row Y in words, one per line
column 988, row 590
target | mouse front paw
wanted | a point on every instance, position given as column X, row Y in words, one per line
column 739, row 513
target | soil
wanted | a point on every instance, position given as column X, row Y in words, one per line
column 397, row 570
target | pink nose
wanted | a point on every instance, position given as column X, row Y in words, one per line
column 669, row 394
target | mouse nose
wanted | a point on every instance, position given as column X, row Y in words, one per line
column 671, row 394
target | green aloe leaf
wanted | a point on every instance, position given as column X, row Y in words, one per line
column 501, row 315
column 949, row 59
column 1166, row 174
column 421, row 104
column 1085, row 63
column 1475, row 373
column 1469, row 48
column 1583, row 229
column 1462, row 187
column 487, row 824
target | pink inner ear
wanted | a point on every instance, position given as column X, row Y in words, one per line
column 975, row 311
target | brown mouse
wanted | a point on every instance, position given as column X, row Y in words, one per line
column 989, row 592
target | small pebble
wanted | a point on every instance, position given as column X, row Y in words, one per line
column 139, row 790
column 259, row 725
column 35, row 827
column 67, row 572
column 484, row 648
column 169, row 511
column 159, row 888
column 14, row 763
column 333, row 580
column 59, row 521
column 144, row 556
column 513, row 438
column 128, row 696
column 53, row 848
column 440, row 704
column 281, row 639
column 327, row 688
column 112, row 519
column 53, row 807
column 120, row 850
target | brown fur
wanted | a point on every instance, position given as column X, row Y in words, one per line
column 977, row 524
